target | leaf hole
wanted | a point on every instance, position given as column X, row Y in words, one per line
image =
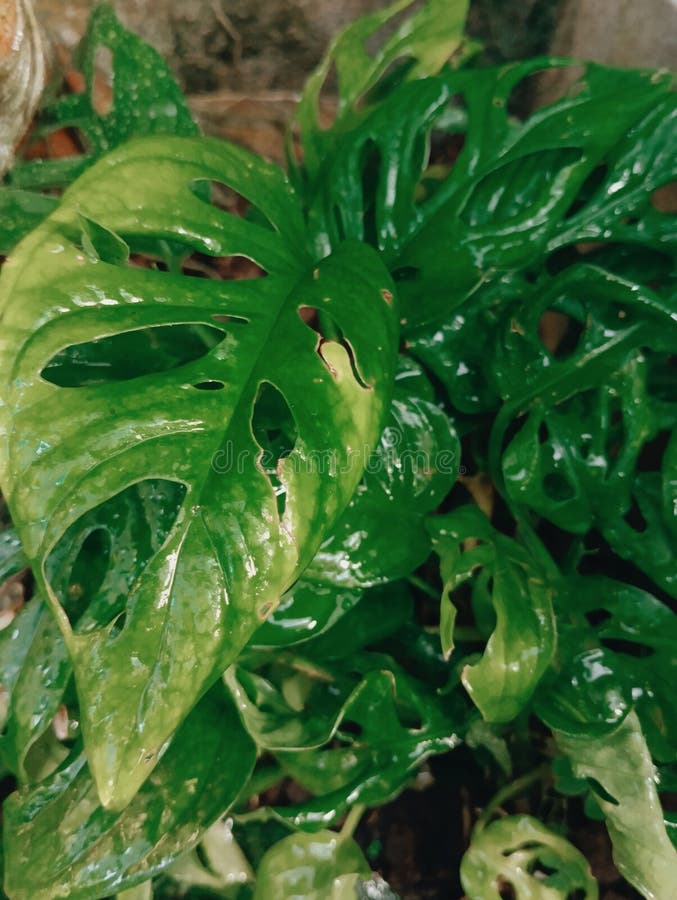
column 94, row 566
column 557, row 488
column 525, row 845
column 598, row 616
column 101, row 92
column 545, row 87
column 634, row 517
column 88, row 573
column 352, row 728
column 324, row 325
column 275, row 431
column 560, row 334
column 62, row 143
column 209, row 386
column 628, row 648
column 664, row 198
column 131, row 354
column 394, row 74
column 326, row 103
column 601, row 791
column 540, row 870
column 406, row 273
column 370, row 167
column 228, row 200
column 116, row 627
column 222, row 268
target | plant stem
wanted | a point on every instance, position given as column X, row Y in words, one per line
column 351, row 821
column 423, row 586
column 510, row 790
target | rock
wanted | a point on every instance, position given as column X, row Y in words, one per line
column 21, row 74
column 237, row 45
column 614, row 32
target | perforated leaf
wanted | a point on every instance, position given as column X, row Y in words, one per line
column 624, row 780
column 235, row 526
column 521, row 852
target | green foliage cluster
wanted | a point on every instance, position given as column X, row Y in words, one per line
column 244, row 501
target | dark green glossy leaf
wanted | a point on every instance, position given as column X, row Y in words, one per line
column 380, row 613
column 60, row 842
column 321, row 866
column 517, row 192
column 339, row 622
column 629, row 660
column 521, row 852
column 381, row 536
column 648, row 540
column 145, row 100
column 618, row 766
column 588, row 413
column 508, row 579
column 457, row 358
column 589, row 694
column 390, row 723
column 425, row 38
column 240, row 528
column 510, row 198
column 308, row 609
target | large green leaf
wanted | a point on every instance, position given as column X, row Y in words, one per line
column 649, row 539
column 623, row 779
column 60, row 842
column 509, row 587
column 242, row 525
column 521, row 852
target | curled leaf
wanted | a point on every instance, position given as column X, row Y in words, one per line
column 510, row 590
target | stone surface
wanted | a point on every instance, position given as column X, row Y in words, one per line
column 619, row 32
column 237, row 45
column 614, row 32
